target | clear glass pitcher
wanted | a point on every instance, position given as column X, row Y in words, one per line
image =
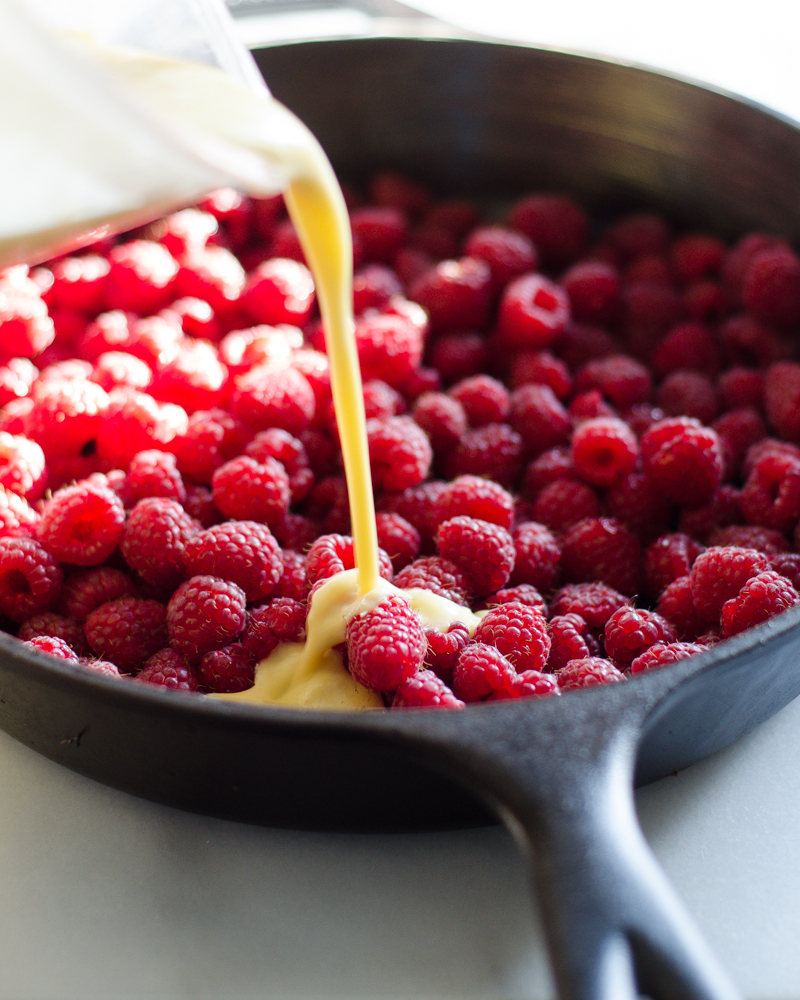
column 83, row 154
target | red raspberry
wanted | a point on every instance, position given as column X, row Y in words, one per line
column 588, row 672
column 485, row 400
column 282, row 620
column 745, row 341
column 718, row 574
column 268, row 396
column 382, row 401
column 436, row 574
column 373, row 286
column 720, row 512
column 551, row 465
column 243, row 552
column 639, row 506
column 30, row 578
column 170, row 670
column 135, row 422
column 593, row 288
column 604, row 450
column 79, row 283
column 111, row 331
column 630, row 631
column 507, row 253
column 570, row 639
column 293, row 579
column 594, row 602
column 771, row 287
column 443, row 419
column 279, row 291
column 589, row 406
column 602, row 549
column 154, row 474
column 252, row 491
column 53, row 646
column 444, row 649
column 530, row 684
column 542, row 368
column 771, row 496
column 297, row 532
column 25, row 327
column 114, row 368
column 418, row 506
column 782, row 399
column 16, row 379
column 475, row 497
column 639, row 233
column 241, row 350
column 398, row 538
column 788, row 565
column 704, row 300
column 48, row 623
column 425, row 690
column 226, row 670
column 481, row 671
column 662, row 654
column 205, row 613
column 385, row 644
column 127, row 631
column 494, row 452
column 533, row 312
column 154, row 540
column 329, row 505
column 565, row 502
column 539, row 418
column 82, row 524
column 390, row 188
column 519, row 632
column 400, row 454
column 690, row 394
column 751, row 536
column 184, row 232
column 455, row 293
column 537, row 559
column 332, row 554
column 667, row 558
column 683, row 460
column 696, row 255
column 740, row 386
column 482, row 550
column 762, row 597
column 87, row 589
column 738, row 430
column 647, row 270
column 457, row 356
column 581, row 343
column 66, row 417
column 649, row 310
column 558, row 226
column 194, row 379
column 689, row 345
column 140, row 276
column 22, row 466
column 211, row 437
column 677, row 606
column 622, row 379
column 523, row 593
column 389, row 348
column 212, row 275
column 17, row 517
column 381, row 232
column 196, row 318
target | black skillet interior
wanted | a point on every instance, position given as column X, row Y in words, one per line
column 475, row 118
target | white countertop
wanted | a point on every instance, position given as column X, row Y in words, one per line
column 108, row 896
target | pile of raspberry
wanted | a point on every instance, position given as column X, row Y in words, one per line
column 589, row 435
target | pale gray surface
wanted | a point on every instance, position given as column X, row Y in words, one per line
column 108, row 896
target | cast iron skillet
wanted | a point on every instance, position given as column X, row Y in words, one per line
column 478, row 117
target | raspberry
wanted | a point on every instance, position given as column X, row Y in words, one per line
column 689, row 394
column 425, row 690
column 455, row 294
column 398, row 538
column 293, row 579
column 443, row 419
column 539, row 418
column 140, row 276
column 782, row 399
column 751, row 536
column 639, row 233
column 385, row 644
column 649, row 310
column 530, row 684
column 381, row 232
column 66, row 417
column 242, row 552
column 683, row 460
column 50, row 624
column 696, row 255
column 26, row 329
column 444, row 649
column 604, row 450
column 602, row 549
column 184, row 232
column 211, row 275
column 558, row 227
column 169, row 669
column 397, row 191
column 523, row 593
column 283, row 620
column 381, row 400
column 788, row 565
column 267, row 396
column 120, row 368
column 719, row 573
column 226, row 670
column 677, row 606
column 241, row 350
column 542, row 368
column 389, row 348
column 332, row 554
column 436, row 574
column 494, row 452
column 635, row 502
column 533, row 312
column 154, row 540
column 622, row 379
column 762, row 597
column 205, row 613
column 22, row 466
column 418, row 506
column 581, row 343
column 87, row 589
column 667, row 558
column 570, row 639
column 771, row 496
column 79, row 283
column 246, row 490
column 194, row 379
column 329, row 505
column 482, row 550
column 16, row 379
column 720, row 512
column 30, row 578
column 279, row 291
column 17, row 517
column 399, row 452
column 594, row 291
column 485, row 400
column 457, row 356
column 481, row 671
column 587, row 672
column 551, row 465
column 662, row 654
column 745, row 341
column 82, row 524
column 508, row 254
column 196, row 318
column 154, row 474
column 689, row 345
column 53, row 646
column 771, row 287
column 211, row 437
column 135, row 422
column 589, row 406
column 738, row 430
column 630, row 631
column 475, row 497
column 594, row 602
column 537, row 558
column 565, row 502
column 519, row 632
column 127, row 631
column 373, row 286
